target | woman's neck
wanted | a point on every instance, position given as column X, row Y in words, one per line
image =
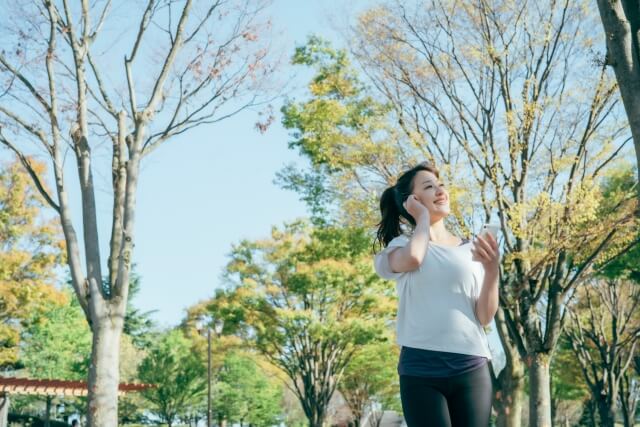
column 438, row 233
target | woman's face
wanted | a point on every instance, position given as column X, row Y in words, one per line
column 431, row 193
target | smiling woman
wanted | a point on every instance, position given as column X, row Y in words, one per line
column 448, row 289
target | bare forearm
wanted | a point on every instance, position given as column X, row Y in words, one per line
column 409, row 257
column 487, row 303
column 419, row 243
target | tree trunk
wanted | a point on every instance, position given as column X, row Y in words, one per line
column 629, row 416
column 539, row 391
column 606, row 410
column 47, row 412
column 317, row 420
column 314, row 406
column 104, row 374
column 509, row 385
column 628, row 419
column 378, row 418
column 510, row 398
column 621, row 22
column 4, row 410
column 591, row 408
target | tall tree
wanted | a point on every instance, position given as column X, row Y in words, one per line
column 186, row 64
column 346, row 135
column 307, row 299
column 621, row 22
column 178, row 375
column 604, row 338
column 605, row 330
column 31, row 250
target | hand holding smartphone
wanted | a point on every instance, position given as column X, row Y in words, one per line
column 485, row 251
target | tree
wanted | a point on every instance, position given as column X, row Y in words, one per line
column 604, row 337
column 370, row 382
column 244, row 394
column 346, row 135
column 31, row 251
column 605, row 328
column 307, row 299
column 621, row 22
column 178, row 374
column 186, row 64
column 57, row 343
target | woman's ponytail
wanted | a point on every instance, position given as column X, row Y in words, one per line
column 391, row 209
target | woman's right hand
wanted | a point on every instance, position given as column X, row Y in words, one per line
column 415, row 208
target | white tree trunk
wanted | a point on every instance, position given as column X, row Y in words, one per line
column 104, row 375
column 539, row 391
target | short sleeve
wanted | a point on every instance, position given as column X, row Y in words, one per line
column 381, row 260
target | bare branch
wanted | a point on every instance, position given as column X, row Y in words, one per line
column 38, row 133
column 156, row 93
column 25, row 82
column 101, row 87
column 32, row 173
column 101, row 20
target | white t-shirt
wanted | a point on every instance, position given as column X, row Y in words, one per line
column 436, row 309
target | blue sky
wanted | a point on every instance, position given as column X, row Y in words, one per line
column 206, row 190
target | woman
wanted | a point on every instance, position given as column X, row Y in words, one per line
column 448, row 290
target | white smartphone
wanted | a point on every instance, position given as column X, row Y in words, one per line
column 490, row 229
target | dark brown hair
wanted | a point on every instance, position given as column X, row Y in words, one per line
column 391, row 202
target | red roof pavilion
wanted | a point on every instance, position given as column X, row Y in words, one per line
column 56, row 387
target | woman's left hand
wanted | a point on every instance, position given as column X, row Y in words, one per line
column 485, row 250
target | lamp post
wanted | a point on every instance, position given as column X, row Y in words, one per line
column 209, row 377
column 202, row 322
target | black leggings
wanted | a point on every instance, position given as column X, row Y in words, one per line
column 460, row 401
